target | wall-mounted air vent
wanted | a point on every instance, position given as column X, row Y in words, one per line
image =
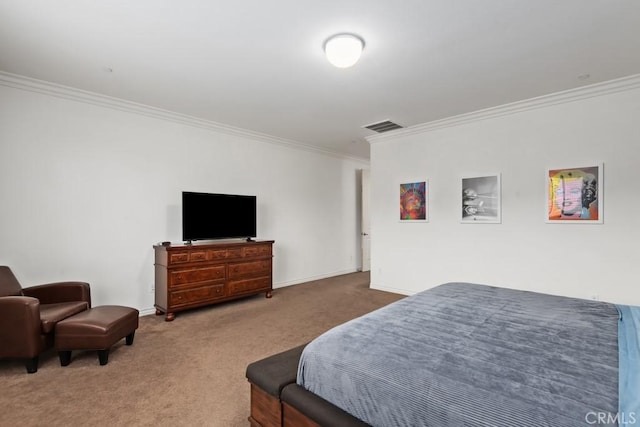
column 383, row 126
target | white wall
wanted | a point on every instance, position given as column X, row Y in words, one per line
column 87, row 190
column 523, row 252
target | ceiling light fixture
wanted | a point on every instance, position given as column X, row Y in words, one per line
column 343, row 50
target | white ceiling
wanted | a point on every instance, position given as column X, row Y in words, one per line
column 259, row 65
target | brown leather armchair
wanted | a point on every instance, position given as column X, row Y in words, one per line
column 28, row 316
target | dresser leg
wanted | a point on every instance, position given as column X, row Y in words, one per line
column 268, row 294
column 170, row 317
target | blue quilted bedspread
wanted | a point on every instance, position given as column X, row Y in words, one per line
column 629, row 349
column 472, row 355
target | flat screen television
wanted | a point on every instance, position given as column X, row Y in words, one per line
column 208, row 216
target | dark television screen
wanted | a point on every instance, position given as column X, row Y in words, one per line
column 217, row 216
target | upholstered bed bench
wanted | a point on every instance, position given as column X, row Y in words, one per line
column 268, row 377
column 301, row 408
column 276, row 399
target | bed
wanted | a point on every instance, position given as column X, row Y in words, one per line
column 464, row 354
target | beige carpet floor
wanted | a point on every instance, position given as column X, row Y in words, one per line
column 189, row 372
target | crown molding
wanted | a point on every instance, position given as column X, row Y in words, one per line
column 571, row 95
column 16, row 81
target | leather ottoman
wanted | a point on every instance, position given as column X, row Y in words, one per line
column 95, row 329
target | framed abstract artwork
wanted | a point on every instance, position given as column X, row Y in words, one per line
column 480, row 201
column 414, row 201
column 574, row 195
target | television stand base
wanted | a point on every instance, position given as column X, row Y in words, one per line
column 189, row 276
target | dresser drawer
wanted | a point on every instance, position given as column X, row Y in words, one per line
column 196, row 256
column 257, row 250
column 196, row 295
column 235, row 253
column 249, row 285
column 251, row 268
column 186, row 256
column 180, row 277
column 178, row 257
column 215, row 254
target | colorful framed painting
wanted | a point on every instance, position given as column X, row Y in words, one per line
column 574, row 195
column 414, row 201
column 480, row 201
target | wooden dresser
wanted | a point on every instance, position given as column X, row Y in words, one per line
column 199, row 274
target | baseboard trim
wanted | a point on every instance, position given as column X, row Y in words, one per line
column 312, row 278
column 389, row 289
column 147, row 312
